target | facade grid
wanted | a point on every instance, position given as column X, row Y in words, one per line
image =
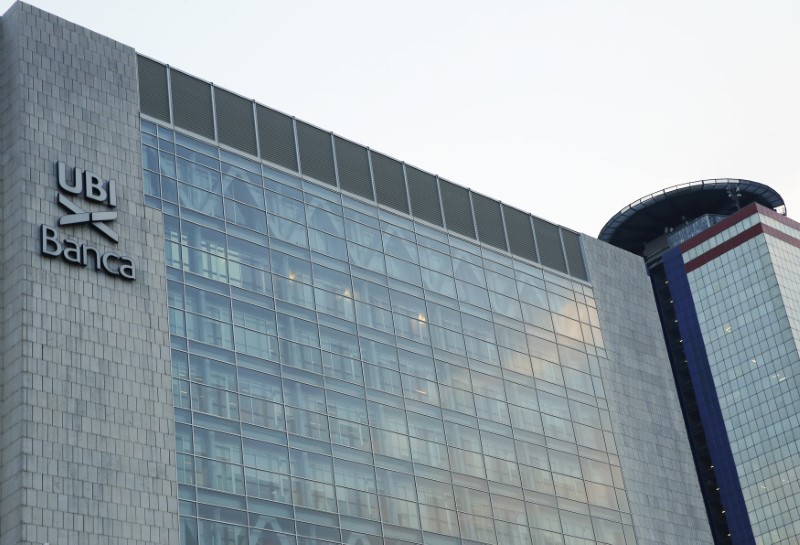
column 409, row 392
column 744, row 302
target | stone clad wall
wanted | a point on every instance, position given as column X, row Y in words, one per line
column 11, row 410
column 660, row 478
column 87, row 426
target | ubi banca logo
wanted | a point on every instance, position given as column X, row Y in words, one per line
column 92, row 188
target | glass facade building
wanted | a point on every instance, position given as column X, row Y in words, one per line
column 345, row 374
column 727, row 291
column 317, row 344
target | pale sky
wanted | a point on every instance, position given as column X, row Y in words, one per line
column 568, row 109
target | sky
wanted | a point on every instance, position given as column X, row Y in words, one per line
column 568, row 109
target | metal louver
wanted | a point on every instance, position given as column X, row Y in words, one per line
column 572, row 248
column 235, row 124
column 520, row 233
column 352, row 161
column 191, row 104
column 316, row 153
column 457, row 208
column 424, row 193
column 153, row 88
column 390, row 187
column 489, row 221
column 276, row 137
column 548, row 241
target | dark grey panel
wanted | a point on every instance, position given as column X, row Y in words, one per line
column 316, row 153
column 153, row 89
column 520, row 234
column 489, row 221
column 457, row 208
column 424, row 193
column 572, row 247
column 276, row 137
column 390, row 187
column 352, row 161
column 236, row 126
column 548, row 241
column 191, row 104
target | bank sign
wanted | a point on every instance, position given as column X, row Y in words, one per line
column 76, row 190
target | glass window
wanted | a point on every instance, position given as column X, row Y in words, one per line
column 601, row 495
column 530, row 454
column 254, row 317
column 501, row 284
column 217, row 533
column 553, row 405
column 215, row 401
column 262, row 413
column 577, row 525
column 538, row 480
column 429, row 453
column 285, row 207
column 313, row 494
column 371, row 260
column 298, row 330
column 268, row 485
column 260, row 385
column 436, row 260
column 327, row 244
column 396, row 484
column 453, row 375
column 568, row 464
column 288, row 231
column 363, row 235
column 399, row 512
column 246, row 216
column 509, row 509
column 311, row 466
column 346, row 407
column 307, row 424
column 248, row 253
column 578, row 381
column 243, row 192
column 212, row 372
column 473, row 501
column 204, row 202
column 401, row 247
column 608, row 531
column 541, row 516
column 438, row 282
column 558, row 428
column 218, row 445
column 391, row 444
column 325, row 221
column 350, row 434
column 355, row 475
column 304, row 396
column 569, row 487
column 502, row 471
column 197, row 236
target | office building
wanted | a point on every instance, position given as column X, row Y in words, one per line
column 223, row 325
column 723, row 260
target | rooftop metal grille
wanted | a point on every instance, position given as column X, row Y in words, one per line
column 259, row 131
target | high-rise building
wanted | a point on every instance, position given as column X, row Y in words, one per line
column 223, row 325
column 723, row 260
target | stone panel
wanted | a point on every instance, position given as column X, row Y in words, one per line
column 651, row 437
column 87, row 426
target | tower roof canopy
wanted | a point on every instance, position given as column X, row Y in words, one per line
column 651, row 216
